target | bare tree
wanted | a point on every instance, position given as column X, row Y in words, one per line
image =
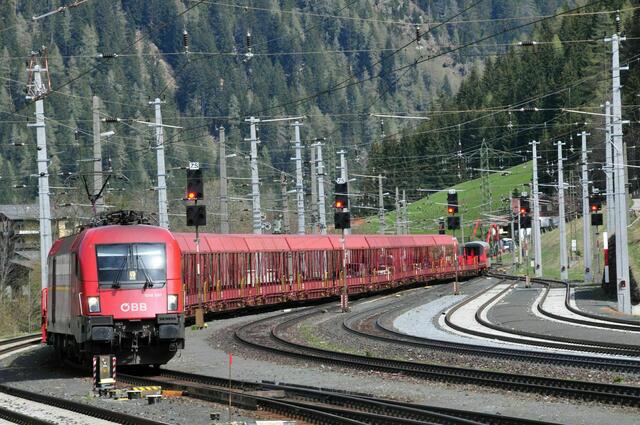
column 8, row 237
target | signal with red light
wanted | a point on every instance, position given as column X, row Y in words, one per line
column 341, row 218
column 595, row 203
column 195, row 185
column 341, row 193
column 452, row 202
column 524, row 205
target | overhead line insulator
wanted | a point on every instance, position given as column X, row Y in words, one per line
column 185, row 41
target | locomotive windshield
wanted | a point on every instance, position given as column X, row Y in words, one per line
column 127, row 265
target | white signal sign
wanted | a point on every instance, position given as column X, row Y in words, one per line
column 194, row 165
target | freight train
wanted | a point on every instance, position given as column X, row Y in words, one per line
column 125, row 289
column 238, row 271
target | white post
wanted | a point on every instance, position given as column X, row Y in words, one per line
column 381, row 210
column 163, row 216
column 97, row 155
column 314, row 190
column 586, row 222
column 224, row 182
column 514, row 257
column 321, row 197
column 398, row 212
column 299, row 182
column 36, row 91
column 564, row 263
column 285, row 203
column 255, row 179
column 537, row 238
column 405, row 221
column 622, row 248
column 611, row 223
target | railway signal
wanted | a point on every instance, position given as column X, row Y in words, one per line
column 595, row 206
column 196, row 215
column 341, row 215
column 452, row 202
column 195, row 186
column 525, row 222
column 595, row 203
column 524, row 205
column 453, row 223
column 525, row 218
column 596, row 219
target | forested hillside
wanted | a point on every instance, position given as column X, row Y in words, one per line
column 521, row 95
column 335, row 62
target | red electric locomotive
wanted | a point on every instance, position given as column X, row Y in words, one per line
column 116, row 289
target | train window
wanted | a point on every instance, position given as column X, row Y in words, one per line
column 130, row 265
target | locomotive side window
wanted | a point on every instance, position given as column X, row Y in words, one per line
column 129, row 265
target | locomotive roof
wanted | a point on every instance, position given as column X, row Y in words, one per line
column 477, row 243
column 111, row 234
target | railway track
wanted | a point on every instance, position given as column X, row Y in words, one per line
column 530, row 338
column 14, row 344
column 360, row 324
column 276, row 342
column 586, row 318
column 10, row 345
column 76, row 407
column 318, row 405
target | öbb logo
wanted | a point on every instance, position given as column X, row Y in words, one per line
column 127, row 307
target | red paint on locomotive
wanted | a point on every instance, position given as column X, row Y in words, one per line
column 118, row 290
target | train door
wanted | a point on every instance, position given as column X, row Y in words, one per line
column 52, row 289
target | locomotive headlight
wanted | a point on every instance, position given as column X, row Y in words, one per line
column 172, row 302
column 94, row 304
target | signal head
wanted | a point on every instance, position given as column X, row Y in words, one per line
column 191, row 196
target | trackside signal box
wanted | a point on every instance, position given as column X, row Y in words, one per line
column 104, row 373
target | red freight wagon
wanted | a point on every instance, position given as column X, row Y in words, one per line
column 243, row 270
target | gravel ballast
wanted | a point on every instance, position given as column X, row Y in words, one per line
column 207, row 353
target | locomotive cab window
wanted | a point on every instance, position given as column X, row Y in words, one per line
column 131, row 265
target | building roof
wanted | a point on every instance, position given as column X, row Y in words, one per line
column 20, row 212
column 28, row 259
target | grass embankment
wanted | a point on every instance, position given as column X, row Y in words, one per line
column 551, row 251
column 424, row 213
